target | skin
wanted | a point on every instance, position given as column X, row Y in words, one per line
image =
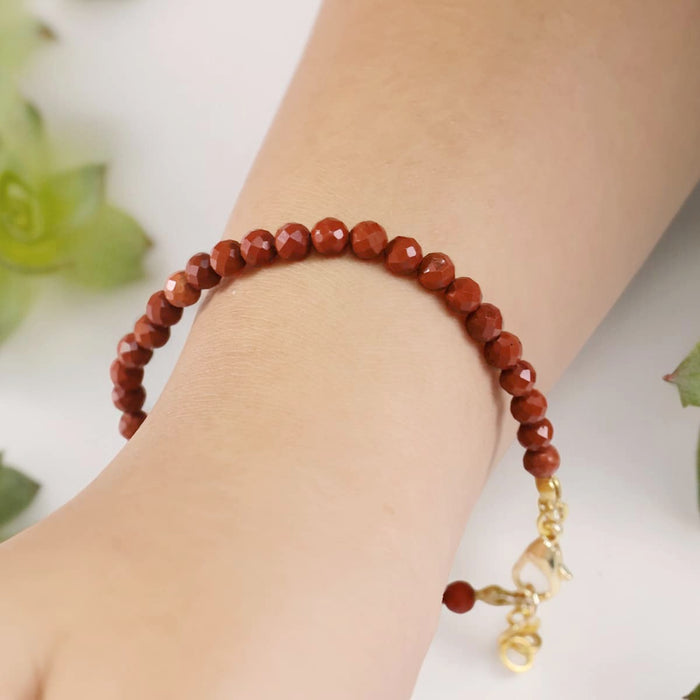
column 297, row 495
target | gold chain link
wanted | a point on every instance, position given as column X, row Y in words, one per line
column 522, row 640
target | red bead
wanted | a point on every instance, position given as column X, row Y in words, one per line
column 258, row 248
column 403, row 255
column 330, row 236
column 368, row 240
column 485, row 323
column 504, row 351
column 459, row 597
column 130, row 423
column 293, row 242
column 530, row 408
column 535, row 436
column 463, row 296
column 436, row 271
column 226, row 258
column 542, row 463
column 125, row 377
column 161, row 312
column 179, row 292
column 149, row 335
column 129, row 400
column 131, row 354
column 519, row 379
column 199, row 273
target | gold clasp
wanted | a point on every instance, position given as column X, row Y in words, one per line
column 521, row 640
column 546, row 557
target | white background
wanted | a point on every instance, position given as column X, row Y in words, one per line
column 178, row 96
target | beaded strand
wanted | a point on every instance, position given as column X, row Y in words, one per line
column 401, row 256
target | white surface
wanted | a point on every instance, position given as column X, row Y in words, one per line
column 178, row 96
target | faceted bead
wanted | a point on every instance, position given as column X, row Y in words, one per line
column 519, row 379
column 129, row 423
column 330, row 236
column 504, row 351
column 436, row 271
column 125, row 377
column 293, row 242
column 403, row 255
column 199, row 273
column 131, row 354
column 459, row 597
column 530, row 408
column 161, row 312
column 463, row 296
column 226, row 258
column 258, row 248
column 129, row 400
column 535, row 436
column 149, row 335
column 485, row 323
column 178, row 292
column 542, row 463
column 368, row 240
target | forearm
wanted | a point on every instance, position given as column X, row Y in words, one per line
column 328, row 428
column 545, row 151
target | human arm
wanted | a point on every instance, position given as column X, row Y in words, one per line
column 298, row 493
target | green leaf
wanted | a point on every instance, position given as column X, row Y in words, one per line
column 35, row 225
column 70, row 199
column 17, row 491
column 16, row 297
column 687, row 378
column 694, row 695
column 20, row 34
column 108, row 250
column 23, row 143
column 26, row 244
column 33, row 119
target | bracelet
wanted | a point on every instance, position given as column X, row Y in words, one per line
column 502, row 350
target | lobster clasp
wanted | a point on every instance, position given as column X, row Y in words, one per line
column 546, row 557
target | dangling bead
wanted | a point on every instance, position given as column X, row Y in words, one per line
column 459, row 597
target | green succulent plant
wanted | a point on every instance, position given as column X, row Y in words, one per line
column 53, row 221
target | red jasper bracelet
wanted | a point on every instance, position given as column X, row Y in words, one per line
column 484, row 323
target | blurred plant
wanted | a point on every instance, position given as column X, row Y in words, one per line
column 52, row 221
column 694, row 694
column 687, row 378
column 16, row 492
